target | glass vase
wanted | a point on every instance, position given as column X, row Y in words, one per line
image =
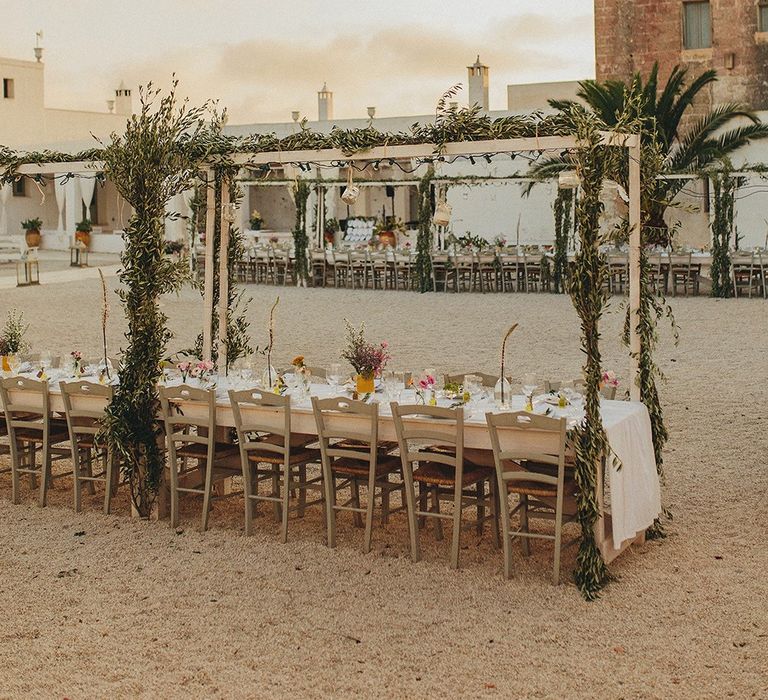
column 502, row 393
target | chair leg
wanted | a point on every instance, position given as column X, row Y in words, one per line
column 248, row 492
column 329, row 486
column 558, row 539
column 285, row 503
column 494, row 511
column 369, row 511
column 480, row 490
column 89, row 464
column 302, row 490
column 76, row 468
column 207, row 496
column 174, row 492
column 356, row 516
column 526, row 541
column 15, row 476
column 385, row 504
column 422, row 505
column 45, row 473
column 410, row 501
column 436, row 509
column 456, row 524
column 276, row 490
column 109, row 478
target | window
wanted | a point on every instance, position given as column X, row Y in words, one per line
column 697, row 25
column 8, row 88
column 20, row 187
column 762, row 16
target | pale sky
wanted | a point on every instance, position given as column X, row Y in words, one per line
column 262, row 59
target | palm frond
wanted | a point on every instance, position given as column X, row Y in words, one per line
column 685, row 100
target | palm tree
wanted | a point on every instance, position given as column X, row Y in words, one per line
column 688, row 144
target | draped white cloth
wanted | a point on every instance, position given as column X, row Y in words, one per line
column 5, row 195
column 87, row 185
column 61, row 199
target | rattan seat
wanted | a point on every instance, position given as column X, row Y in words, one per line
column 200, row 451
column 296, row 457
column 532, row 488
column 437, row 474
column 57, row 434
column 355, row 467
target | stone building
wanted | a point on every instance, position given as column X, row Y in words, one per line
column 730, row 36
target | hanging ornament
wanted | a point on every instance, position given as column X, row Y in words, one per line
column 351, row 191
column 442, row 216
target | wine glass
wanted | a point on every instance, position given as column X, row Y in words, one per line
column 389, row 381
column 529, row 386
column 335, row 375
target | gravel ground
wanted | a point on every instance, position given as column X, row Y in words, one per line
column 99, row 606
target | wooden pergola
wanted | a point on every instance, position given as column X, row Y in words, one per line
column 382, row 153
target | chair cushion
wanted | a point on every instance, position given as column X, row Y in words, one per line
column 385, row 464
column 443, row 475
column 299, row 456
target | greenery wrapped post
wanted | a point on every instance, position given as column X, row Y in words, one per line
column 588, row 294
column 300, row 239
column 724, row 187
column 149, row 165
column 424, row 239
column 563, row 206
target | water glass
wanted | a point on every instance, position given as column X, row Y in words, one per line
column 335, row 375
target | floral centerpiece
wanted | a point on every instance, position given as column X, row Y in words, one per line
column 366, row 358
column 12, row 339
column 301, row 371
column 77, row 363
column 425, row 390
column 256, row 220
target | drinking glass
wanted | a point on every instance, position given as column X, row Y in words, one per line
column 529, row 383
column 335, row 375
column 14, row 362
column 473, row 386
column 389, row 381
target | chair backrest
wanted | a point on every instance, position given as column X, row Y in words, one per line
column 189, row 415
column 263, row 421
column 84, row 406
column 521, row 437
column 26, row 404
column 488, row 380
column 424, row 431
column 347, row 428
column 607, row 391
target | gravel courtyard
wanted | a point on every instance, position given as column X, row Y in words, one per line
column 97, row 606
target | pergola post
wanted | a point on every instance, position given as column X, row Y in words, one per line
column 226, row 222
column 210, row 225
column 635, row 243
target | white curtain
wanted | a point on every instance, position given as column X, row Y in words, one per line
column 87, row 185
column 61, row 199
column 5, row 195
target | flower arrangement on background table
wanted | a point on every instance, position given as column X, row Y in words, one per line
column 12, row 339
column 366, row 358
column 425, row 390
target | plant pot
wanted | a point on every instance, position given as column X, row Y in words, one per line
column 364, row 385
column 255, row 226
column 32, row 238
column 84, row 237
column 329, row 237
column 388, row 238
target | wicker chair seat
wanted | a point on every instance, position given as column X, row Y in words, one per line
column 437, row 474
column 300, row 456
column 361, row 468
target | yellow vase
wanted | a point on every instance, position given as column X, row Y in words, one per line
column 364, row 385
column 6, row 363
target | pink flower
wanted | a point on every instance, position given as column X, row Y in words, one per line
column 384, row 344
column 183, row 366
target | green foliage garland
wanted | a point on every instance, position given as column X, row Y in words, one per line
column 588, row 294
column 148, row 168
column 300, row 239
column 563, row 205
column 424, row 239
column 724, row 187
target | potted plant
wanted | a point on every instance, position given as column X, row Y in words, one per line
column 32, row 232
column 83, row 232
column 256, row 220
column 387, row 230
column 331, row 229
column 366, row 358
column 12, row 338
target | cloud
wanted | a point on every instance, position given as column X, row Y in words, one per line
column 399, row 69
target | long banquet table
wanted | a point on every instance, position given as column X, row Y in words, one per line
column 633, row 482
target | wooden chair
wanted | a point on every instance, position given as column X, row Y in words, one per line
column 529, row 452
column 659, row 269
column 607, row 392
column 348, row 432
column 512, row 272
column 465, row 271
column 270, row 451
column 189, row 415
column 31, row 429
column 487, row 272
column 618, row 273
column 84, row 407
column 433, row 438
column 745, row 274
column 403, row 277
column 443, row 273
column 680, row 273
column 318, row 268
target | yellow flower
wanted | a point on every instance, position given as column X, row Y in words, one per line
column 298, row 361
